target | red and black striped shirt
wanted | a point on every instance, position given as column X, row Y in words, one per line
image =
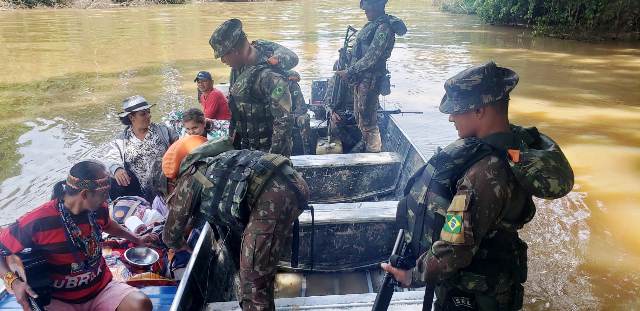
column 42, row 230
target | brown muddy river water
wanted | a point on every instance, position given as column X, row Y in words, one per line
column 64, row 72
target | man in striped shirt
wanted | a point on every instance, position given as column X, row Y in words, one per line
column 66, row 232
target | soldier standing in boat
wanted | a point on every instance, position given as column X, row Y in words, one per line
column 463, row 209
column 367, row 72
column 260, row 97
column 250, row 197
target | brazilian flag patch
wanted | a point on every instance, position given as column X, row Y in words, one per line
column 277, row 92
column 453, row 223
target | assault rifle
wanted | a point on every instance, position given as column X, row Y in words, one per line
column 341, row 64
column 398, row 111
column 389, row 283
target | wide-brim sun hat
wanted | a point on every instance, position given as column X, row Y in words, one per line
column 133, row 104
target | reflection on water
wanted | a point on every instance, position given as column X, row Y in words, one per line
column 65, row 72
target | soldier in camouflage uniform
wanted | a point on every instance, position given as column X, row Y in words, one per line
column 462, row 211
column 368, row 69
column 302, row 120
column 260, row 97
column 248, row 196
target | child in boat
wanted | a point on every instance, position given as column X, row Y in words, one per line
column 195, row 123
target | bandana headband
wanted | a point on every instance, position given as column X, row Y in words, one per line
column 88, row 184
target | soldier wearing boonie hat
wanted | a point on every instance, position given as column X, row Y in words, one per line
column 483, row 184
column 259, row 93
column 477, row 87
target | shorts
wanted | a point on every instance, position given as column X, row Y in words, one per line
column 108, row 299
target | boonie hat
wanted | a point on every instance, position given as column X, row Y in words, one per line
column 477, row 87
column 226, row 37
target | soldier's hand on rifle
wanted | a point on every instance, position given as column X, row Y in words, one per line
column 402, row 276
column 342, row 74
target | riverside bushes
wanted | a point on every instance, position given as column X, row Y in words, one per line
column 563, row 18
column 82, row 3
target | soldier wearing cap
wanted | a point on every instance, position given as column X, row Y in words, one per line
column 463, row 209
column 259, row 93
column 367, row 72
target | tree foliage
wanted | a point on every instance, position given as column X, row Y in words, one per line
column 566, row 18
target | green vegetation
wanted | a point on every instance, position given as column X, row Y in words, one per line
column 82, row 3
column 561, row 18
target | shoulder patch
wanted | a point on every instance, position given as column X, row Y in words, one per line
column 382, row 35
column 277, row 92
column 453, row 223
column 457, row 228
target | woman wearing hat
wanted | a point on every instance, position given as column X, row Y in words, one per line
column 134, row 151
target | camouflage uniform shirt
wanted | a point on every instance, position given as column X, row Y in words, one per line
column 370, row 57
column 274, row 86
column 488, row 199
column 181, row 205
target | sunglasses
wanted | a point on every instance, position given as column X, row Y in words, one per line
column 143, row 112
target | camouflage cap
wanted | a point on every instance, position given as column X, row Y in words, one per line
column 226, row 37
column 372, row 4
column 476, row 87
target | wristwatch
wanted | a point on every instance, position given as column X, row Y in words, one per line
column 9, row 278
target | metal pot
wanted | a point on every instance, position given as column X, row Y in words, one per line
column 141, row 257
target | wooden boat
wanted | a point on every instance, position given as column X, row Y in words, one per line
column 354, row 197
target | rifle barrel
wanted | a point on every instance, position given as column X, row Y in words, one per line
column 398, row 111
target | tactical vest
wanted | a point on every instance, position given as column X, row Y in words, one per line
column 542, row 170
column 366, row 35
column 266, row 51
column 422, row 212
column 251, row 114
column 435, row 184
column 231, row 182
column 365, row 38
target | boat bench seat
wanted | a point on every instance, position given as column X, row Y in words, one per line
column 349, row 177
column 161, row 298
column 401, row 301
column 348, row 236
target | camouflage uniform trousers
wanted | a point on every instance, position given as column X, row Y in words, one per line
column 265, row 237
column 303, row 125
column 365, row 102
column 451, row 298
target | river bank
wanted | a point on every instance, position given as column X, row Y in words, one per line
column 80, row 4
column 585, row 20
